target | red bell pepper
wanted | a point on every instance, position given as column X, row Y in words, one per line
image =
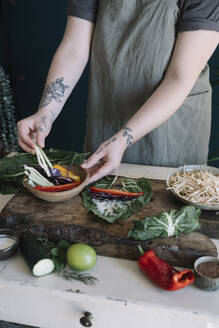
column 162, row 273
column 63, row 187
column 117, row 192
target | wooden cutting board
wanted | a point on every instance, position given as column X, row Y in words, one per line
column 70, row 220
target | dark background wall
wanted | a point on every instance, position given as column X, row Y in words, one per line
column 30, row 32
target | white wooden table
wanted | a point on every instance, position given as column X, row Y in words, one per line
column 124, row 297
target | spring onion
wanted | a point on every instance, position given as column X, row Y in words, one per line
column 37, row 178
column 43, row 160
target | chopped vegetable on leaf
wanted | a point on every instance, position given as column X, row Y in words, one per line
column 166, row 224
column 122, row 202
column 162, row 273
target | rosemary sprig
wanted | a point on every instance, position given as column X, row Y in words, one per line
column 83, row 277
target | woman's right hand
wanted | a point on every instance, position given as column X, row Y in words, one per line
column 33, row 129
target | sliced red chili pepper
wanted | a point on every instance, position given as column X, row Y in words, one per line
column 117, row 192
column 63, row 187
column 162, row 273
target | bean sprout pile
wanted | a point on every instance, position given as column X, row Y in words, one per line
column 197, row 186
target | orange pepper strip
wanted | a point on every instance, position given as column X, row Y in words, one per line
column 117, row 192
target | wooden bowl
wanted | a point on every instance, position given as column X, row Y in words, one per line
column 61, row 196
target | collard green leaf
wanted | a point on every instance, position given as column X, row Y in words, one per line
column 59, row 266
column 55, row 251
column 58, row 254
column 113, row 210
column 167, row 224
column 63, row 244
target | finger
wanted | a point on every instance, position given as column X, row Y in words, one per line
column 93, row 159
column 26, row 147
column 40, row 137
column 104, row 170
column 33, row 137
column 24, row 133
column 92, row 170
column 26, row 143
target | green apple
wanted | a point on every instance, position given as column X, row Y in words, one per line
column 81, row 257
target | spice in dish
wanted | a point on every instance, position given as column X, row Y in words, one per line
column 6, row 242
column 209, row 269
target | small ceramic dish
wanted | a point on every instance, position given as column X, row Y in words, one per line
column 188, row 168
column 203, row 279
column 60, row 196
column 9, row 242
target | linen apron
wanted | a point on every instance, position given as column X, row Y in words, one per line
column 132, row 46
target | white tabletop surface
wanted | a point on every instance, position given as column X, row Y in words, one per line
column 119, row 280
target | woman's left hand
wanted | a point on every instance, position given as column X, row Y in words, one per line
column 106, row 159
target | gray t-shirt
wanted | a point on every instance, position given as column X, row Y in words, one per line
column 194, row 14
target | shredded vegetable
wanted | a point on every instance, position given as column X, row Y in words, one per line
column 43, row 160
column 52, row 178
column 197, row 186
column 35, row 177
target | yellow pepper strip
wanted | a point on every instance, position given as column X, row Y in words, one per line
column 66, row 173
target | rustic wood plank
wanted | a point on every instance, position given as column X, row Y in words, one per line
column 70, row 220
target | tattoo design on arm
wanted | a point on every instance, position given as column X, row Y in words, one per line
column 40, row 129
column 53, row 91
column 44, row 121
column 44, row 124
column 106, row 144
column 127, row 133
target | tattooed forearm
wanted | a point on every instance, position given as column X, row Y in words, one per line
column 53, row 91
column 127, row 133
column 106, row 144
column 44, row 121
column 53, row 115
